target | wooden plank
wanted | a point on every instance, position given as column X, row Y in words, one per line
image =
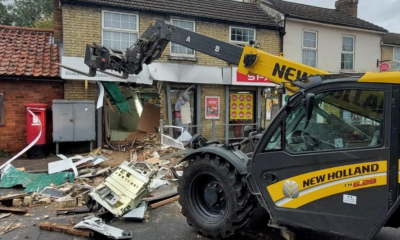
column 13, row 210
column 54, row 227
column 166, row 201
column 4, row 215
column 10, row 228
column 11, row 197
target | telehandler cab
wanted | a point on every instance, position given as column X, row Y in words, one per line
column 329, row 161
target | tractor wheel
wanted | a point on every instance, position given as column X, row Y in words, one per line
column 214, row 197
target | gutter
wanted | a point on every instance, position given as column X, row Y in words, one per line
column 28, row 78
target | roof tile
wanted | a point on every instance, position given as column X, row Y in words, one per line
column 391, row 39
column 27, row 52
column 222, row 10
column 319, row 14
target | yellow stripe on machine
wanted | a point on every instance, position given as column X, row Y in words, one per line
column 314, row 183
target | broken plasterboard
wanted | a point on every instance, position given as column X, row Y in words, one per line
column 32, row 182
column 123, row 190
column 98, row 225
column 185, row 113
column 149, row 121
column 137, row 213
column 67, row 163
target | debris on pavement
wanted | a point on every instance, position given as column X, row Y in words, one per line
column 9, row 228
column 32, row 182
column 4, row 215
column 164, row 192
column 98, row 225
column 13, row 210
column 158, row 204
column 137, row 213
column 126, row 186
column 51, row 192
column 69, row 229
column 13, row 196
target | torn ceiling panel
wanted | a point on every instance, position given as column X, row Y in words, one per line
column 116, row 96
column 32, row 182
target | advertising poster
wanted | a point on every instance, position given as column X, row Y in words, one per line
column 270, row 106
column 212, row 107
column 241, row 106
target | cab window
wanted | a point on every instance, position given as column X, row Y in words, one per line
column 344, row 119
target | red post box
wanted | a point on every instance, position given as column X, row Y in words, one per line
column 33, row 129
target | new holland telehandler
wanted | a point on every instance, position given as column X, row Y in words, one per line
column 329, row 161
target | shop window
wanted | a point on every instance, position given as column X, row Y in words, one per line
column 396, row 59
column 183, row 104
column 119, row 30
column 2, row 107
column 347, row 58
column 242, row 35
column 176, row 49
column 309, row 48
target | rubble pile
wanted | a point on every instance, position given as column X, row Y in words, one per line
column 89, row 184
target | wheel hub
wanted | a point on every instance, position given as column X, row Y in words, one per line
column 209, row 198
column 214, row 194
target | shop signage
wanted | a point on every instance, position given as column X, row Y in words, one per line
column 249, row 80
column 212, row 107
column 241, row 106
column 384, row 67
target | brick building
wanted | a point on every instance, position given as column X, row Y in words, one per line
column 28, row 74
column 117, row 24
column 391, row 50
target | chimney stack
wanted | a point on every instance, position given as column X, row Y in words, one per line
column 347, row 6
column 57, row 18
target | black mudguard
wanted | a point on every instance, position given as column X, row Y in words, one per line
column 235, row 157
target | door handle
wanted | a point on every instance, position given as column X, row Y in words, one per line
column 270, row 177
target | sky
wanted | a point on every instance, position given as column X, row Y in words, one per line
column 384, row 13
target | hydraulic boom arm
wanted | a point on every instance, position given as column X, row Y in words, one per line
column 151, row 44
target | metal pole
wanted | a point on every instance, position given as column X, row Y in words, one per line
column 227, row 110
column 99, row 123
column 213, row 129
column 169, row 108
column 259, row 107
column 198, row 108
column 161, row 126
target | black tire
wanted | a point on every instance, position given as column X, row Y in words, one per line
column 202, row 202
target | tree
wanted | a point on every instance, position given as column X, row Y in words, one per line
column 27, row 13
column 44, row 23
column 5, row 17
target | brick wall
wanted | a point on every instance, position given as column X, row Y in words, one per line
column 82, row 25
column 16, row 94
column 218, row 91
column 75, row 90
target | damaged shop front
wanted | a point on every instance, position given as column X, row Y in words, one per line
column 182, row 99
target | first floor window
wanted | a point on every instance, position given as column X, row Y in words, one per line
column 347, row 58
column 119, row 30
column 309, row 54
column 396, row 59
column 177, row 49
column 242, row 35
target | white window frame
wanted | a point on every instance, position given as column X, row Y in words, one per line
column 170, row 46
column 309, row 48
column 118, row 29
column 240, row 42
column 396, row 62
column 343, row 52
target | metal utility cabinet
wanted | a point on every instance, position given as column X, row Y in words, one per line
column 73, row 121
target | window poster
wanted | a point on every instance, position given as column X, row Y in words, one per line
column 212, row 107
column 241, row 106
